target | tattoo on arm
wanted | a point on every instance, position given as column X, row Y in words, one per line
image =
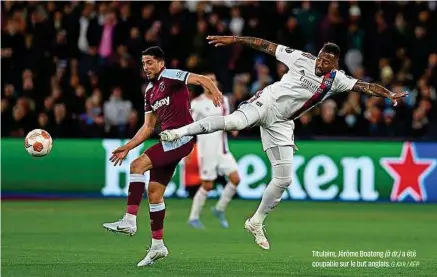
column 258, row 44
column 371, row 89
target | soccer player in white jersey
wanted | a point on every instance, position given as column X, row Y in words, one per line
column 308, row 82
column 214, row 158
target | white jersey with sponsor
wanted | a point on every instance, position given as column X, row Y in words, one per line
column 300, row 88
column 213, row 151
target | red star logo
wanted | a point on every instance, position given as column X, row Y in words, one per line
column 408, row 173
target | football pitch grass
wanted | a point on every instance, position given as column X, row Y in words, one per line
column 66, row 238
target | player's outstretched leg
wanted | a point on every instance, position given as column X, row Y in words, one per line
column 157, row 214
column 235, row 121
column 128, row 224
column 227, row 195
column 281, row 160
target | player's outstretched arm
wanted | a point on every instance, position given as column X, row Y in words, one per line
column 376, row 90
column 255, row 43
column 208, row 84
column 143, row 133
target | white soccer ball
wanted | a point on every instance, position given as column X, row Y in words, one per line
column 38, row 143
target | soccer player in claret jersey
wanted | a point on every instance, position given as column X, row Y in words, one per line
column 166, row 100
column 214, row 158
column 308, row 82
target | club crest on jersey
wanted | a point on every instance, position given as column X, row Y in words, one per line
column 161, row 86
column 161, row 102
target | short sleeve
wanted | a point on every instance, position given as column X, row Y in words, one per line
column 147, row 107
column 176, row 74
column 343, row 82
column 286, row 55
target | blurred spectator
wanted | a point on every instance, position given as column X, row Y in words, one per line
column 328, row 123
column 117, row 112
column 63, row 126
column 419, row 124
column 352, row 111
column 304, row 126
column 309, row 20
column 133, row 125
column 263, row 78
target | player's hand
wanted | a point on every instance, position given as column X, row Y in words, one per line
column 217, row 97
column 118, row 155
column 398, row 95
column 221, row 40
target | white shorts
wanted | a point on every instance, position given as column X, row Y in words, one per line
column 275, row 131
column 211, row 166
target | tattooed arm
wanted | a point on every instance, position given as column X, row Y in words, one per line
column 376, row 90
column 258, row 44
column 255, row 43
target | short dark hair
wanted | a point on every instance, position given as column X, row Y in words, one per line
column 331, row 48
column 154, row 51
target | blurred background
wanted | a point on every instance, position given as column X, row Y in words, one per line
column 73, row 68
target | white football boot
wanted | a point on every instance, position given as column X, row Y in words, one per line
column 124, row 226
column 153, row 254
column 168, row 135
column 257, row 230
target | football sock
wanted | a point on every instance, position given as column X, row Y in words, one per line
column 203, row 126
column 157, row 215
column 227, row 195
column 271, row 198
column 136, row 192
column 198, row 202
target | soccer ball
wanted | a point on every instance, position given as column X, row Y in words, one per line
column 38, row 143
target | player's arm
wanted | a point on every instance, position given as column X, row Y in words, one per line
column 376, row 90
column 144, row 132
column 208, row 85
column 252, row 42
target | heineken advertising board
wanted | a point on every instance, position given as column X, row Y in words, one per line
column 323, row 170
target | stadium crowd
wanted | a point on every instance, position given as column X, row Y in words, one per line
column 74, row 68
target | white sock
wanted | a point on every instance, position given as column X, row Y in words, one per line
column 131, row 217
column 271, row 197
column 198, row 202
column 227, row 194
column 204, row 126
column 157, row 242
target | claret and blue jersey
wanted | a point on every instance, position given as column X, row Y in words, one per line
column 168, row 97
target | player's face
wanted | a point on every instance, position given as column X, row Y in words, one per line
column 152, row 66
column 325, row 62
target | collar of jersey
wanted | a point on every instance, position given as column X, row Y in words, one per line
column 160, row 74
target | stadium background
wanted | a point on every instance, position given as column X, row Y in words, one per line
column 73, row 68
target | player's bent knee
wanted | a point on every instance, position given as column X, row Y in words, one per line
column 283, row 182
column 207, row 185
column 154, row 197
column 234, row 178
column 140, row 165
column 155, row 192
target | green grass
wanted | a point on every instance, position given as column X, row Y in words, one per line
column 65, row 238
